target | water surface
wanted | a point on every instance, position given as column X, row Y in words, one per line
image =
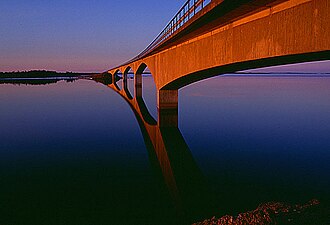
column 73, row 153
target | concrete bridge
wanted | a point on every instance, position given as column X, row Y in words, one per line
column 211, row 37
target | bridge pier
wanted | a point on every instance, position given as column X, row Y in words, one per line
column 125, row 81
column 113, row 78
column 138, row 85
column 125, row 86
column 167, row 106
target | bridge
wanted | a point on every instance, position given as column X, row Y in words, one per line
column 207, row 38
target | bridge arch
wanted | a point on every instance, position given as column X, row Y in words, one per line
column 141, row 68
column 127, row 77
column 109, row 75
column 244, row 65
column 127, row 69
column 117, row 77
column 146, row 93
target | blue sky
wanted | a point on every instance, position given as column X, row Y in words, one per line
column 78, row 35
column 83, row 35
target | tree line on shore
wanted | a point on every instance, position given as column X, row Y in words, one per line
column 37, row 74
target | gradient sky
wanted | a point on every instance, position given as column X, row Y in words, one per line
column 78, row 35
column 81, row 35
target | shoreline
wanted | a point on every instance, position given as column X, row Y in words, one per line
column 40, row 74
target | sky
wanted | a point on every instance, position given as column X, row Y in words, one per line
column 84, row 35
column 78, row 35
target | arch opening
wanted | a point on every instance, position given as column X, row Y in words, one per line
column 146, row 93
column 118, row 80
column 128, row 82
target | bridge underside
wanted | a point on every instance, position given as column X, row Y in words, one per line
column 289, row 32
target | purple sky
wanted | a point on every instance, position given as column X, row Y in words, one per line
column 80, row 35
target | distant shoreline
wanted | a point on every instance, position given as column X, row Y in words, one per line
column 44, row 74
column 34, row 74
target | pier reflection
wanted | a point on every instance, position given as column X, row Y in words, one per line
column 192, row 197
column 171, row 158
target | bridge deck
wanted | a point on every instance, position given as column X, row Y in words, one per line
column 243, row 37
column 216, row 14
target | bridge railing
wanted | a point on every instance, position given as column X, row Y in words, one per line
column 187, row 12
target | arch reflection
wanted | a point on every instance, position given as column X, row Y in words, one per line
column 172, row 160
column 117, row 77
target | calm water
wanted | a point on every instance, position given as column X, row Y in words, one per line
column 73, row 153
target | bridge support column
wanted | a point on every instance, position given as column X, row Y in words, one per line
column 114, row 78
column 124, row 79
column 167, row 105
column 125, row 87
column 138, row 85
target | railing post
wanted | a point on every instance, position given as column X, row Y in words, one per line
column 195, row 7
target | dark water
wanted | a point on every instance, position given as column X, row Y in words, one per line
column 73, row 153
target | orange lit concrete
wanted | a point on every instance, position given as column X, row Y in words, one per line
column 288, row 32
column 293, row 31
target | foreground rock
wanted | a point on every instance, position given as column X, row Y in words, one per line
column 312, row 213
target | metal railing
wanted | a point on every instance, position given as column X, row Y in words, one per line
column 187, row 12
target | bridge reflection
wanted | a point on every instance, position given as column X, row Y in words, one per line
column 170, row 155
column 193, row 198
